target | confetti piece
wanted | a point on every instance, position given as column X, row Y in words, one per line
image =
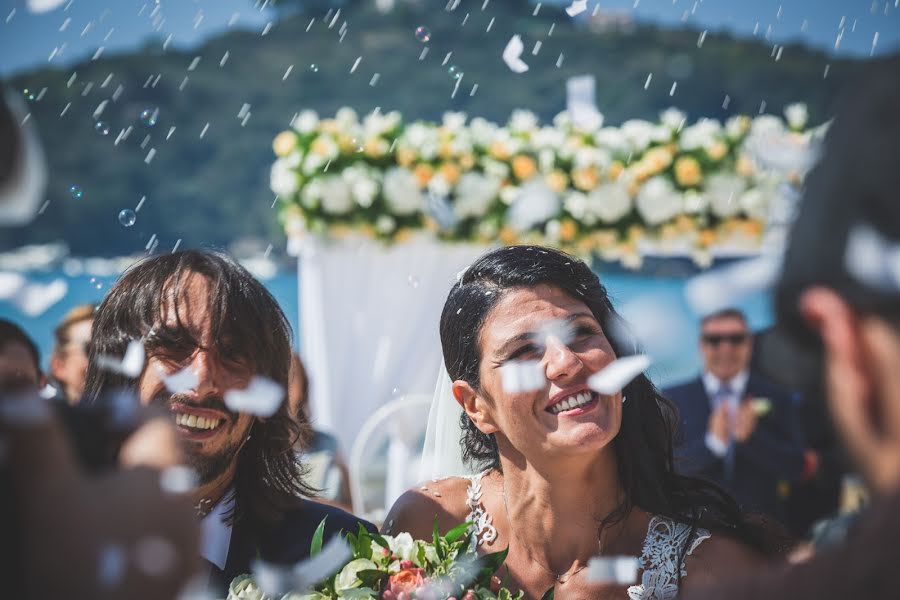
column 180, row 382
column 130, row 365
column 512, row 55
column 261, row 398
column 576, row 8
column 178, row 479
column 522, row 376
column 276, row 580
column 619, row 570
column 761, row 406
column 726, row 286
column 42, row 6
column 618, row 374
column 111, row 567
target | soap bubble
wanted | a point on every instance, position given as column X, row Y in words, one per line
column 127, row 217
column 454, row 72
column 149, row 116
column 314, row 68
column 96, row 283
column 29, row 95
column 423, row 34
column 76, row 192
column 101, row 127
column 413, row 281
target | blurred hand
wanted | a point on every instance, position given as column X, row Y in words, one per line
column 719, row 423
column 115, row 536
column 745, row 421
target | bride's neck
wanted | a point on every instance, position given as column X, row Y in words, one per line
column 565, row 500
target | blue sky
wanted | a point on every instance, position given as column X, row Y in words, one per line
column 27, row 38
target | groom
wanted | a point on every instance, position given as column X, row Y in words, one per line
column 204, row 317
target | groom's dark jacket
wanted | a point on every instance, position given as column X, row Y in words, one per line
column 284, row 541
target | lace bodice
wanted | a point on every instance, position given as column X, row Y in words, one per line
column 660, row 562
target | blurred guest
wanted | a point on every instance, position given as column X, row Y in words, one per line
column 66, row 535
column 69, row 361
column 738, row 429
column 203, row 317
column 838, row 307
column 19, row 359
column 326, row 470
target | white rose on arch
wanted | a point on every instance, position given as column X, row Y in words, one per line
column 658, row 201
column 337, row 198
column 306, row 122
column 474, row 194
column 401, row 192
column 609, row 202
column 282, row 179
column 724, row 192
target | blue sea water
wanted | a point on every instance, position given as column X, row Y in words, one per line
column 667, row 293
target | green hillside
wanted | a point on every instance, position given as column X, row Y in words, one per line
column 214, row 190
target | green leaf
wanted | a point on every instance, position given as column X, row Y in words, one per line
column 457, row 532
column 548, row 595
column 378, row 539
column 489, row 563
column 316, row 546
column 371, row 577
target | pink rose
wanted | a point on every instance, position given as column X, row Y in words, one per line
column 405, row 581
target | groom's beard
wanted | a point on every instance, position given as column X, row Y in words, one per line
column 208, row 466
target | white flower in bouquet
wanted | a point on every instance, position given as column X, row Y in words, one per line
column 701, row 134
column 306, row 122
column 482, row 131
column 313, row 164
column 364, row 190
column 694, row 202
column 508, row 194
column 347, row 578
column 402, row 545
column 609, row 202
column 658, row 201
column 474, row 194
column 495, row 168
column 756, row 202
column 673, row 118
column 546, row 160
column 283, row 179
column 337, row 198
column 401, row 192
column 522, row 121
column 576, row 204
column 325, row 146
column 311, row 194
column 346, row 117
column 534, row 204
column 736, row 126
column 766, row 125
column 244, row 588
column 563, row 121
column 591, row 157
column 294, row 159
column 640, row 134
column 385, row 224
column 454, row 121
column 613, row 139
column 548, row 137
column 439, row 186
column 797, row 115
column 723, row 191
column 462, row 143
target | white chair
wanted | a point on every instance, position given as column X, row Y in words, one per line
column 384, row 459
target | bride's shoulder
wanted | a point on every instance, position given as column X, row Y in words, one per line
column 415, row 511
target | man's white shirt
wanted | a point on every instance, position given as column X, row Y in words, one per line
column 738, row 386
column 216, row 532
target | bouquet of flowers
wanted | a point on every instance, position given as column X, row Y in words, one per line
column 384, row 567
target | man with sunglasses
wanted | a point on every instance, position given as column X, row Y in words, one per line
column 737, row 428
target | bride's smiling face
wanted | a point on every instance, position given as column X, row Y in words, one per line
column 563, row 417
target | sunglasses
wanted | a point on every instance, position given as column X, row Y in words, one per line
column 735, row 339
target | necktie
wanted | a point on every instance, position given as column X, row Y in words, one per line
column 725, row 394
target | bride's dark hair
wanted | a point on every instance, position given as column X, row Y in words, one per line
column 644, row 444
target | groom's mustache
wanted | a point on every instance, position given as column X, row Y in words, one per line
column 212, row 402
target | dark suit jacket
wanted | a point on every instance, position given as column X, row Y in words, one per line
column 773, row 453
column 286, row 541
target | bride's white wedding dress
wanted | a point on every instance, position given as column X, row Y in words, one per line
column 660, row 562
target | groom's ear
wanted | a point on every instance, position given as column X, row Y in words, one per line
column 475, row 406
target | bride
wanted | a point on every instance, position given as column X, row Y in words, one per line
column 566, row 474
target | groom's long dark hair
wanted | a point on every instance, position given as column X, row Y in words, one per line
column 644, row 445
column 269, row 478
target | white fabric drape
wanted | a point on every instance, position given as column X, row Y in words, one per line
column 369, row 317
